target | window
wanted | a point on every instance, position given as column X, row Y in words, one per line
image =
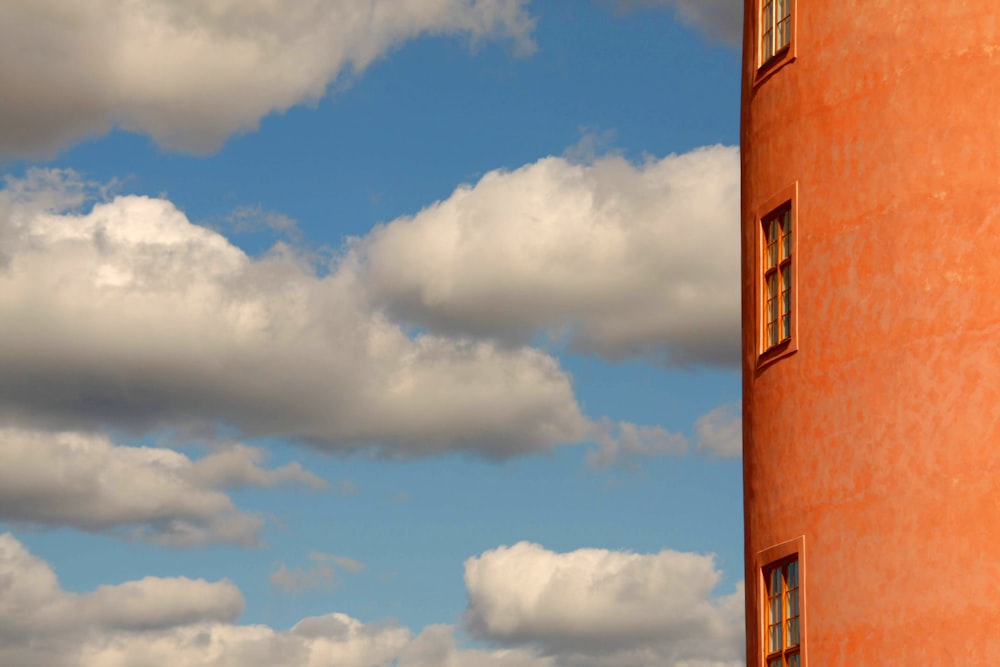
column 776, row 229
column 775, row 28
column 780, row 601
column 782, row 638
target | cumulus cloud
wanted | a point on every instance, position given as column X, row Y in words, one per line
column 165, row 622
column 719, row 19
column 626, row 608
column 128, row 315
column 321, row 574
column 86, row 481
column 720, row 432
column 618, row 258
column 192, row 72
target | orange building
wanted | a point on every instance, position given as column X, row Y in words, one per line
column 870, row 136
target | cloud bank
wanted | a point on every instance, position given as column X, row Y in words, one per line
column 86, row 481
column 619, row 259
column 190, row 73
column 129, row 316
column 586, row 608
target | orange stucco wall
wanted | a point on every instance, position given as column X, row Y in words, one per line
column 878, row 439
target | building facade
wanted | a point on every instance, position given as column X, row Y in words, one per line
column 870, row 135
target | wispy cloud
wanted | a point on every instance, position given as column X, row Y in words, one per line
column 720, row 432
column 719, row 19
column 321, row 574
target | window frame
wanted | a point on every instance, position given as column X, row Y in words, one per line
column 776, row 207
column 786, row 651
column 766, row 562
column 769, row 63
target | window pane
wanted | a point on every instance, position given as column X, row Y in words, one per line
column 774, row 611
column 793, row 574
column 766, row 26
column 793, row 632
column 774, row 662
column 774, row 587
column 787, row 235
column 774, row 643
column 786, row 305
column 793, row 602
column 793, row 661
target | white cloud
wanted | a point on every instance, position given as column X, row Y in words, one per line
column 130, row 316
column 192, row 72
column 86, row 481
column 624, row 608
column 321, row 574
column 620, row 259
column 719, row 19
column 720, row 432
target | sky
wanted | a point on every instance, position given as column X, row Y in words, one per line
column 395, row 333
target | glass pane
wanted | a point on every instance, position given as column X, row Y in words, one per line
column 787, row 235
column 793, row 574
column 772, row 253
column 766, row 25
column 786, row 327
column 775, row 585
column 793, row 632
column 793, row 602
column 793, row 661
column 772, row 333
column 784, row 33
column 774, row 643
column 774, row 610
column 774, row 662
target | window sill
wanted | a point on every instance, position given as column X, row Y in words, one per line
column 775, row 63
column 783, row 349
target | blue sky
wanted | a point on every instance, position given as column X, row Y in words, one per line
column 370, row 332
